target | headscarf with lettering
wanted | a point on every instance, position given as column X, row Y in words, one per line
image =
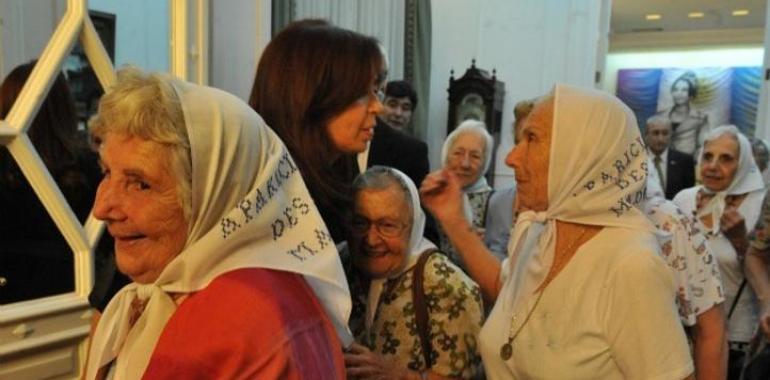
column 747, row 176
column 250, row 209
column 596, row 176
column 417, row 245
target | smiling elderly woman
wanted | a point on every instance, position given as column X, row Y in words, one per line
column 567, row 300
column 726, row 207
column 234, row 272
column 467, row 152
column 416, row 314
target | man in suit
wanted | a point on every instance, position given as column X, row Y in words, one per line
column 675, row 169
column 391, row 146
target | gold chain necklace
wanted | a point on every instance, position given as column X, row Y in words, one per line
column 506, row 351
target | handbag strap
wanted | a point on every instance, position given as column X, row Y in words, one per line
column 420, row 307
column 486, row 209
column 737, row 297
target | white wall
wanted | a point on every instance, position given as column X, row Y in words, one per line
column 383, row 20
column 531, row 44
column 141, row 32
column 25, row 28
column 240, row 30
column 763, row 129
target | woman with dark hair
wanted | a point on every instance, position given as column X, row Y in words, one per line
column 317, row 86
column 688, row 124
column 34, row 257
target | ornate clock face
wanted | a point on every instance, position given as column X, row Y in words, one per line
column 471, row 107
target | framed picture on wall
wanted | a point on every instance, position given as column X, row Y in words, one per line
column 693, row 100
column 82, row 80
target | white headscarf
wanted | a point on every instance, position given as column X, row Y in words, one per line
column 243, row 183
column 479, row 128
column 747, row 176
column 596, row 176
column 417, row 245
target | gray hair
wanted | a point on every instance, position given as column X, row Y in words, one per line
column 658, row 120
column 147, row 106
column 380, row 178
column 470, row 126
column 723, row 130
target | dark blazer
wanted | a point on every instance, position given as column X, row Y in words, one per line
column 680, row 172
column 396, row 149
column 393, row 148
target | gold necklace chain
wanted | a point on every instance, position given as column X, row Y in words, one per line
column 506, row 350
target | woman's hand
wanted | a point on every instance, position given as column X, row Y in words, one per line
column 361, row 363
column 440, row 193
column 734, row 228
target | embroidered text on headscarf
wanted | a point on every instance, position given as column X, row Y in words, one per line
column 619, row 175
column 251, row 205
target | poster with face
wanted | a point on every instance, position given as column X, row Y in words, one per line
column 692, row 101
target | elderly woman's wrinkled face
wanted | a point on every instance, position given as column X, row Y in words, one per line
column 382, row 220
column 351, row 130
column 138, row 200
column 531, row 156
column 466, row 157
column 680, row 92
column 720, row 162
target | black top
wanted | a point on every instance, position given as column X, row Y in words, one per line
column 34, row 257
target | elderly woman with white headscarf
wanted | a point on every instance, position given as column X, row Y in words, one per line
column 234, row 273
column 583, row 293
column 416, row 315
column 467, row 152
column 726, row 207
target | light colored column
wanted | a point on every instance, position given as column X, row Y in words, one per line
column 762, row 129
column 240, row 29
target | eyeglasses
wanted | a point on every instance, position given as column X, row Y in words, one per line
column 379, row 94
column 384, row 227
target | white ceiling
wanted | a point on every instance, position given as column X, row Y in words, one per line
column 628, row 16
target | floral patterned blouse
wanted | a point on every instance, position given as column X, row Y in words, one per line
column 455, row 317
column 479, row 202
column 696, row 273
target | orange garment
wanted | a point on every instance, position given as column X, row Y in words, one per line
column 249, row 324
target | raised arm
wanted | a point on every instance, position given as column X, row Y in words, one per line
column 710, row 341
column 440, row 193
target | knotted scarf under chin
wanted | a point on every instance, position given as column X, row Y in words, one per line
column 531, row 250
column 715, row 208
column 129, row 330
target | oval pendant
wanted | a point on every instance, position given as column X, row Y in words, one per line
column 506, row 351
